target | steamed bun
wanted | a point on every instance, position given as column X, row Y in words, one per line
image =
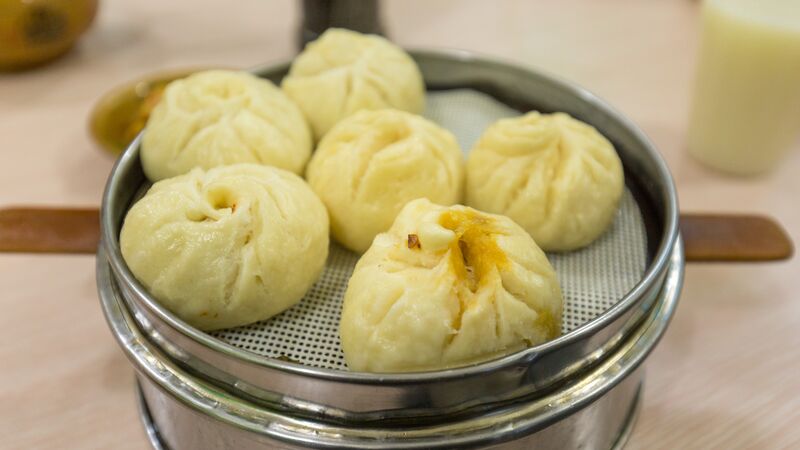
column 555, row 176
column 447, row 286
column 227, row 247
column 219, row 117
column 371, row 164
column 343, row 72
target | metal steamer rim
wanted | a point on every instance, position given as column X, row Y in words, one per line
column 259, row 376
column 158, row 443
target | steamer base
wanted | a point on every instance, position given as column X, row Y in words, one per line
column 605, row 424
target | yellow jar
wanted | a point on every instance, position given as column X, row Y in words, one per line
column 35, row 31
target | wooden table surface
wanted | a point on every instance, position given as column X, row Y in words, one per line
column 727, row 375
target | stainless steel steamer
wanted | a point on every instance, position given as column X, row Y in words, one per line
column 577, row 391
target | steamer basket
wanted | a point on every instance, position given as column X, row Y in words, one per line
column 595, row 410
column 301, row 392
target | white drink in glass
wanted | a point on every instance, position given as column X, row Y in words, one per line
column 746, row 106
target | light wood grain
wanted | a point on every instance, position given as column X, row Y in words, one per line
column 723, row 377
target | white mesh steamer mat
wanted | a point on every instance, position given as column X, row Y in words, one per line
column 592, row 279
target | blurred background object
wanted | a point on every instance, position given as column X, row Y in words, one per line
column 746, row 105
column 36, row 31
column 121, row 113
column 357, row 15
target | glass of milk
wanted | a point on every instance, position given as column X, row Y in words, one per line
column 746, row 107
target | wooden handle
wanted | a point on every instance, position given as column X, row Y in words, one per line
column 49, row 230
column 729, row 237
column 706, row 237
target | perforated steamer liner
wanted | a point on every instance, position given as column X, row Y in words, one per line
column 592, row 279
column 599, row 312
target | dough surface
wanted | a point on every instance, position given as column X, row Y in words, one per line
column 344, row 72
column 373, row 163
column 227, row 247
column 220, row 117
column 557, row 177
column 444, row 287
